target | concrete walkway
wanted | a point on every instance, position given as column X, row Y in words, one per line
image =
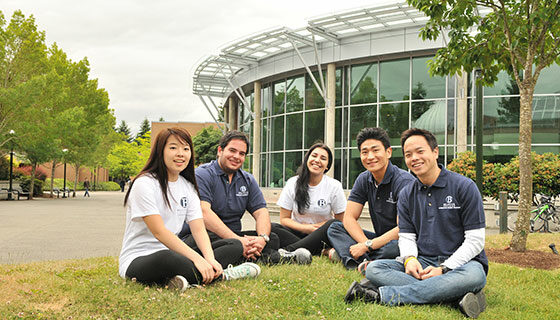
column 56, row 229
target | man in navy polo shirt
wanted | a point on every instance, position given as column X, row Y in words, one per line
column 379, row 185
column 441, row 238
column 226, row 192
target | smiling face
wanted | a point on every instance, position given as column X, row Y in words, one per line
column 421, row 159
column 318, row 161
column 176, row 156
column 231, row 157
column 375, row 157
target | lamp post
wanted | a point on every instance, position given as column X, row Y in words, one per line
column 10, row 190
column 64, row 188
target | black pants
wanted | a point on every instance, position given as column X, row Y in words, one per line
column 157, row 268
column 291, row 239
column 269, row 254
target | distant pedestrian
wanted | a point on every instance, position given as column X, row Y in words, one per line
column 86, row 187
column 122, row 183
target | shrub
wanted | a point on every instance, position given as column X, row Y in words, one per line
column 26, row 170
column 4, row 168
column 107, row 186
column 465, row 164
column 25, row 183
column 59, row 184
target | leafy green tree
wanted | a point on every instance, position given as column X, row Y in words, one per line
column 124, row 130
column 144, row 128
column 127, row 159
column 518, row 36
column 206, row 144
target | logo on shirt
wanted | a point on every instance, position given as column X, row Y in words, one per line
column 242, row 192
column 321, row 203
column 449, row 204
column 183, row 202
column 390, row 199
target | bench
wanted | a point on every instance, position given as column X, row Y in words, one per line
column 20, row 193
column 65, row 192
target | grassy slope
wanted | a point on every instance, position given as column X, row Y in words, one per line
column 92, row 289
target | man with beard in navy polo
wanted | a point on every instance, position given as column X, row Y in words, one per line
column 226, row 192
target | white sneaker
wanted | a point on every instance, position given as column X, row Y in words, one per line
column 333, row 255
column 178, row 283
column 244, row 270
column 299, row 256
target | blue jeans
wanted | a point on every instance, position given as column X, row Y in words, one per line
column 341, row 242
column 396, row 287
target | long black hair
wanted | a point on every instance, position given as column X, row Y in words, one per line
column 156, row 165
column 302, row 184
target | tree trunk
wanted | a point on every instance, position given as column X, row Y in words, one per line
column 52, row 177
column 519, row 239
column 76, row 180
column 32, row 184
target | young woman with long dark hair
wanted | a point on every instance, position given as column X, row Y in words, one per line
column 309, row 203
column 159, row 200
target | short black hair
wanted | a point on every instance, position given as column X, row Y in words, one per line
column 373, row 133
column 233, row 135
column 430, row 138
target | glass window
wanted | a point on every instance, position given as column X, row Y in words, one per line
column 548, row 80
column 363, row 84
column 546, row 119
column 294, row 99
column 398, row 159
column 313, row 99
column 276, row 170
column 394, row 80
column 338, row 128
column 265, row 105
column 277, row 136
column 293, row 161
column 314, row 127
column 451, row 121
column 505, row 85
column 279, row 95
column 264, row 170
column 394, row 119
column 355, row 167
column 294, row 128
column 338, row 99
column 264, row 135
column 430, row 115
column 248, row 164
column 423, row 85
column 501, row 120
column 337, row 165
column 361, row 117
column 501, row 154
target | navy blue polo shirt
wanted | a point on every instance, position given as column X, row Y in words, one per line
column 440, row 214
column 382, row 200
column 229, row 200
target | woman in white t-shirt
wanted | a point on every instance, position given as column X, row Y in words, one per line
column 159, row 200
column 309, row 203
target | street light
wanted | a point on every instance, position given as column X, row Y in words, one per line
column 64, row 188
column 10, row 190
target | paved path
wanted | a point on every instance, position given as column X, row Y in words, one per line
column 56, row 229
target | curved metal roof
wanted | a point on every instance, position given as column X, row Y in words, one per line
column 215, row 75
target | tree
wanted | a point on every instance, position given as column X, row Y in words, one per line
column 124, row 130
column 206, row 144
column 144, row 128
column 127, row 159
column 520, row 37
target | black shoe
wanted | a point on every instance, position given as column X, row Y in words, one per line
column 367, row 292
column 473, row 304
column 271, row 258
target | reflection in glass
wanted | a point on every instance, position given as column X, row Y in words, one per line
column 265, row 105
column 397, row 157
column 338, row 99
column 501, row 87
column 423, row 85
column 277, row 135
column 546, row 119
column 355, row 167
column 294, row 99
column 337, row 165
column 293, row 161
column 432, row 119
column 314, row 127
column 248, row 164
column 264, row 135
column 279, row 95
column 363, row 88
column 276, row 180
column 395, row 79
column 500, row 126
column 313, row 99
column 338, row 128
column 294, row 127
column 264, row 170
column 361, row 117
column 394, row 119
column 548, row 80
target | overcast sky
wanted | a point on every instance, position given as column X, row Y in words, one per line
column 144, row 52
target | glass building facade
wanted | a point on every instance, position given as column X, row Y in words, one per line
column 393, row 94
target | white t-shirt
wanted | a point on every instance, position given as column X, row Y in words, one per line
column 147, row 199
column 325, row 199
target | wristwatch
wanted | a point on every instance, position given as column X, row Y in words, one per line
column 265, row 237
column 444, row 269
column 368, row 243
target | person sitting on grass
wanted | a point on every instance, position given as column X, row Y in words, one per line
column 441, row 238
column 160, row 199
column 309, row 203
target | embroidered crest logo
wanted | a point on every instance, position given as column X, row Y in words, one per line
column 242, row 192
column 184, row 202
column 321, row 203
column 449, row 204
column 390, row 199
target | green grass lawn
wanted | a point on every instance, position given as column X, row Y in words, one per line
column 92, row 289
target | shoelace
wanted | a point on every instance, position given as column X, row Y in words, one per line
column 233, row 272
